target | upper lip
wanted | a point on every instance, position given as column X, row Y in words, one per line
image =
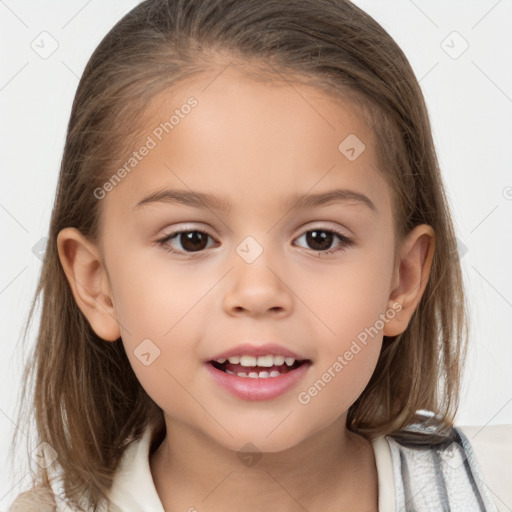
column 250, row 349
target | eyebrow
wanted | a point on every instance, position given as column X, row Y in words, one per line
column 294, row 202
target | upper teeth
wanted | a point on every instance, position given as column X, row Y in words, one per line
column 266, row 361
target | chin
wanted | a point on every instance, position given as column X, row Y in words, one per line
column 258, row 441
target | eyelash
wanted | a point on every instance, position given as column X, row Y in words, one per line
column 163, row 242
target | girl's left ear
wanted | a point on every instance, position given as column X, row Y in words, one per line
column 411, row 275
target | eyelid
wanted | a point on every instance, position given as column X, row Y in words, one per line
column 327, row 225
column 180, row 227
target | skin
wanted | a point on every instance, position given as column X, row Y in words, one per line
column 256, row 144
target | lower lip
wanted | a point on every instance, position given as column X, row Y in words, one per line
column 249, row 388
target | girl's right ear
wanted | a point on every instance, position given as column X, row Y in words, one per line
column 88, row 279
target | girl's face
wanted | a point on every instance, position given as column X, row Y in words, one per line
column 259, row 273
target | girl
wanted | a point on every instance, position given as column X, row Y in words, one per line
column 251, row 299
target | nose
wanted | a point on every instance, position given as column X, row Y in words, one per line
column 258, row 288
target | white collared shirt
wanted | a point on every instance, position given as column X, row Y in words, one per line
column 134, row 489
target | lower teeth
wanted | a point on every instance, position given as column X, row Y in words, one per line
column 254, row 375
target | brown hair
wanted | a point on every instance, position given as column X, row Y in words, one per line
column 87, row 402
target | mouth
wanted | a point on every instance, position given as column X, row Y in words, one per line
column 261, row 367
column 258, row 372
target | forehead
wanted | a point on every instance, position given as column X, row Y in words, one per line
column 253, row 142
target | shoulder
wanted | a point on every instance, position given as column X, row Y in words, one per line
column 492, row 446
column 38, row 499
column 434, row 466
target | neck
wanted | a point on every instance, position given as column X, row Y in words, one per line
column 193, row 472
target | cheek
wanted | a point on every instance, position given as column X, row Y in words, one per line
column 348, row 297
column 348, row 350
column 152, row 295
column 349, row 301
column 336, row 385
column 161, row 345
column 156, row 304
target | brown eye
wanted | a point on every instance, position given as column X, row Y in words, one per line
column 320, row 240
column 190, row 241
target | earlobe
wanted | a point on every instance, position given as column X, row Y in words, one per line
column 411, row 276
column 89, row 283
